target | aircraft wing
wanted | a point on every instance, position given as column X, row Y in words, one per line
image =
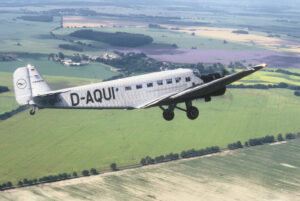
column 154, row 101
column 215, row 85
column 203, row 89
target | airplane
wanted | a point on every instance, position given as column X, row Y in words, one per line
column 164, row 89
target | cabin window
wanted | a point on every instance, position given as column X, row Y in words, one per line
column 177, row 79
column 169, row 81
column 150, row 84
column 159, row 82
column 127, row 88
column 187, row 79
column 139, row 86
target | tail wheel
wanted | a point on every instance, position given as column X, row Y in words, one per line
column 32, row 111
column 192, row 113
column 168, row 115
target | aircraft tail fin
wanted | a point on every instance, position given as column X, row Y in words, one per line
column 28, row 83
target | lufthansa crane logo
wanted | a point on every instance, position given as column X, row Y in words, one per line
column 21, row 83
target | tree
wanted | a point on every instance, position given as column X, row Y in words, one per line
column 20, row 183
column 93, row 171
column 279, row 137
column 85, row 173
column 143, row 161
column 61, row 55
column 9, row 184
column 290, row 136
column 113, row 167
column 74, row 174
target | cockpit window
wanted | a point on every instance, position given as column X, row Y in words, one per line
column 196, row 73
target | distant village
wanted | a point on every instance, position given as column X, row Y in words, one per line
column 79, row 59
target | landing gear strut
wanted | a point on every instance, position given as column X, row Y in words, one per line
column 191, row 111
column 32, row 111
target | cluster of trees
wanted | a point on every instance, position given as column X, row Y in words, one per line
column 240, row 32
column 6, row 57
column 235, row 145
column 129, row 63
column 92, row 171
column 7, row 115
column 71, row 47
column 37, row 18
column 155, row 26
column 260, row 141
column 121, row 39
column 3, row 89
column 159, row 159
column 5, row 185
column 297, row 93
column 287, row 72
column 193, row 153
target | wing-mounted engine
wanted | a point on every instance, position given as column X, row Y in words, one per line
column 211, row 77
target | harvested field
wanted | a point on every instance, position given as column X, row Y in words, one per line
column 257, row 173
column 81, row 21
column 251, row 39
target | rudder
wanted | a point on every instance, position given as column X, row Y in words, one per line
column 22, row 86
column 28, row 83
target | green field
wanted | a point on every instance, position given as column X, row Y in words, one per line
column 253, row 174
column 56, row 141
column 266, row 77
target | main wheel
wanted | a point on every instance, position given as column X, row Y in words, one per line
column 32, row 112
column 192, row 113
column 168, row 115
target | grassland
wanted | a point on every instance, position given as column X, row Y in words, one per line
column 254, row 174
column 55, row 141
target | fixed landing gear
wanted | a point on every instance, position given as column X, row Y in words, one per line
column 168, row 114
column 191, row 111
column 32, row 111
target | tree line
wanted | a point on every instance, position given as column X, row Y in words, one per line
column 159, row 159
column 37, row 18
column 215, row 149
column 122, row 39
column 281, row 85
column 70, row 47
column 3, row 89
column 7, row 115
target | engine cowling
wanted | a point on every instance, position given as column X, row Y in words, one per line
column 211, row 77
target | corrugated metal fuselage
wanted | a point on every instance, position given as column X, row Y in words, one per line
column 127, row 93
